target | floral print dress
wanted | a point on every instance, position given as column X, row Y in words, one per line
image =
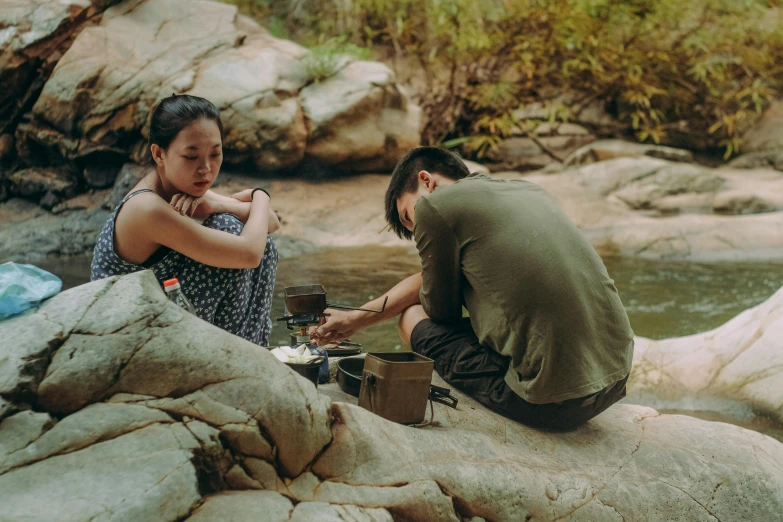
column 236, row 300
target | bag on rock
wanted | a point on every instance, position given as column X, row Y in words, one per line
column 23, row 287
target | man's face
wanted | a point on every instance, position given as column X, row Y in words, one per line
column 406, row 203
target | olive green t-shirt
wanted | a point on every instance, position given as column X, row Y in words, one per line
column 534, row 287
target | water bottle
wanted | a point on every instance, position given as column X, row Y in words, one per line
column 171, row 286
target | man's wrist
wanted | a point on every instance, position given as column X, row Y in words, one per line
column 361, row 319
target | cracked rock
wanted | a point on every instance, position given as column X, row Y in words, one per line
column 148, row 413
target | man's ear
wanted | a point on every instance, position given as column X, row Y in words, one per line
column 427, row 179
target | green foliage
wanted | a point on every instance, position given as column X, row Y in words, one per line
column 706, row 66
column 326, row 57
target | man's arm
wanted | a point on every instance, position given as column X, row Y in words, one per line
column 342, row 324
column 441, row 292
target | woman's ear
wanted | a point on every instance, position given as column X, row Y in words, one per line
column 157, row 154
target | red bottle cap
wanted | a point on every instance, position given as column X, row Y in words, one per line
column 170, row 282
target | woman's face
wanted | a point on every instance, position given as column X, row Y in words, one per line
column 192, row 161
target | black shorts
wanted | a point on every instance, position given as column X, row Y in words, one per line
column 480, row 372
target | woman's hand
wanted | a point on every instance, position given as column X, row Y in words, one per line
column 244, row 195
column 198, row 208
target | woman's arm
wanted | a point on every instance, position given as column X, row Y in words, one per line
column 164, row 225
column 213, row 203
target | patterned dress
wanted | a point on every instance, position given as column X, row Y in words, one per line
column 237, row 300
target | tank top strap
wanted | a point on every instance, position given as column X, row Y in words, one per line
column 126, row 198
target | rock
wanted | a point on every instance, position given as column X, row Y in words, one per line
column 47, row 235
column 88, row 201
column 144, row 327
column 33, row 37
column 356, row 119
column 359, row 119
column 651, row 208
column 48, row 186
column 128, row 177
column 754, row 160
column 476, row 167
column 629, row 206
column 244, row 506
column 6, row 147
column 767, row 133
column 603, row 150
column 147, row 474
column 152, row 401
column 736, row 367
column 5, row 193
column 518, row 153
column 540, row 141
column 558, row 106
column 93, row 424
column 101, row 175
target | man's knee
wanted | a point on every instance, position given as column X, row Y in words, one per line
column 409, row 318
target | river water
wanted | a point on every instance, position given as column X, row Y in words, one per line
column 663, row 299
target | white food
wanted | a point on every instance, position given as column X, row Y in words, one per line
column 299, row 355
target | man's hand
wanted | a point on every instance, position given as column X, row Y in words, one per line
column 339, row 325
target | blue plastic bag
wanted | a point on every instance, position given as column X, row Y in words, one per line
column 23, row 287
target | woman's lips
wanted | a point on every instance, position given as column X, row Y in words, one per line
column 202, row 184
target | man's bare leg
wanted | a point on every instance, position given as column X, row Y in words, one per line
column 409, row 318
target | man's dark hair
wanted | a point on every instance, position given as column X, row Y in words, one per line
column 405, row 177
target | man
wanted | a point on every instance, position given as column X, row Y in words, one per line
column 547, row 341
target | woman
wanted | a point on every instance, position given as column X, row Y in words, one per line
column 227, row 265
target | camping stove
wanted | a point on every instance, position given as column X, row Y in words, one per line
column 304, row 307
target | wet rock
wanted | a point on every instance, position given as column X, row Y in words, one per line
column 735, row 367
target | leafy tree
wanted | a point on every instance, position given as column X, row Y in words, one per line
column 702, row 67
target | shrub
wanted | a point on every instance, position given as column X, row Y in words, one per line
column 706, row 67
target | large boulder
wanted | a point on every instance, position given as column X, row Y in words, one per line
column 117, row 404
column 737, row 367
column 34, row 34
column 275, row 114
column 767, row 134
column 657, row 209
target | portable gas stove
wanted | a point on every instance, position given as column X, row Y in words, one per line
column 305, row 306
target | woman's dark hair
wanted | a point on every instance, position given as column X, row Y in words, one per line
column 405, row 178
column 177, row 112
